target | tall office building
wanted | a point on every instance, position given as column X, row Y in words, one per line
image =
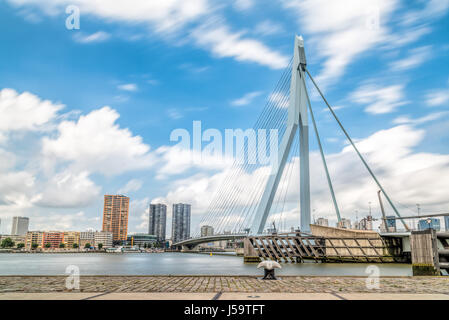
column 20, row 226
column 207, row 231
column 180, row 222
column 115, row 217
column 157, row 221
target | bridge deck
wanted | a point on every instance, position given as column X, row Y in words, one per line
column 212, row 238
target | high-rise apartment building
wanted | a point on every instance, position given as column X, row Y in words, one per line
column 207, row 231
column 115, row 217
column 322, row 222
column 157, row 221
column 181, row 222
column 20, row 226
column 344, row 223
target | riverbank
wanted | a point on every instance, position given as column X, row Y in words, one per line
column 71, row 251
column 224, row 284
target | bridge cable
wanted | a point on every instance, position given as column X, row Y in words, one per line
column 233, row 203
column 263, row 121
column 278, row 120
column 247, row 165
column 357, row 151
column 323, row 158
column 256, row 192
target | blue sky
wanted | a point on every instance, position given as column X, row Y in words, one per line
column 134, row 72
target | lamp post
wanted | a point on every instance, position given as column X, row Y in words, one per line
column 429, row 222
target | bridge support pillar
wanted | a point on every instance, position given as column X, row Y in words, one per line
column 249, row 253
column 187, row 248
column 297, row 118
column 424, row 249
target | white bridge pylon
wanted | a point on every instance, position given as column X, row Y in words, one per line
column 297, row 117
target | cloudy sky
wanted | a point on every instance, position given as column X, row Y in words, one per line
column 89, row 111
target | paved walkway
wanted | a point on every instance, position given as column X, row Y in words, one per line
column 218, row 296
column 227, row 287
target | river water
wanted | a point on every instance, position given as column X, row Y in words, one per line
column 171, row 264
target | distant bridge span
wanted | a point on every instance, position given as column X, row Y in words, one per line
column 218, row 237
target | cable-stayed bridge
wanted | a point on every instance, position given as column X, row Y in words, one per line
column 253, row 192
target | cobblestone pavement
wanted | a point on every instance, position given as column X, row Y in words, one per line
column 223, row 284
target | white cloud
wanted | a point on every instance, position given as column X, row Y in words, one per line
column 139, row 214
column 60, row 222
column 174, row 114
column 16, row 187
column 246, row 99
column 132, row 186
column 379, row 99
column 281, row 99
column 172, row 18
column 68, row 190
column 176, row 160
column 216, row 37
column 405, row 37
column 243, row 5
column 437, row 97
column 421, row 120
column 194, row 69
column 25, row 111
column 128, row 87
column 339, row 31
column 99, row 36
column 196, row 190
column 162, row 16
column 417, row 57
column 432, row 9
column 97, row 144
column 268, row 28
